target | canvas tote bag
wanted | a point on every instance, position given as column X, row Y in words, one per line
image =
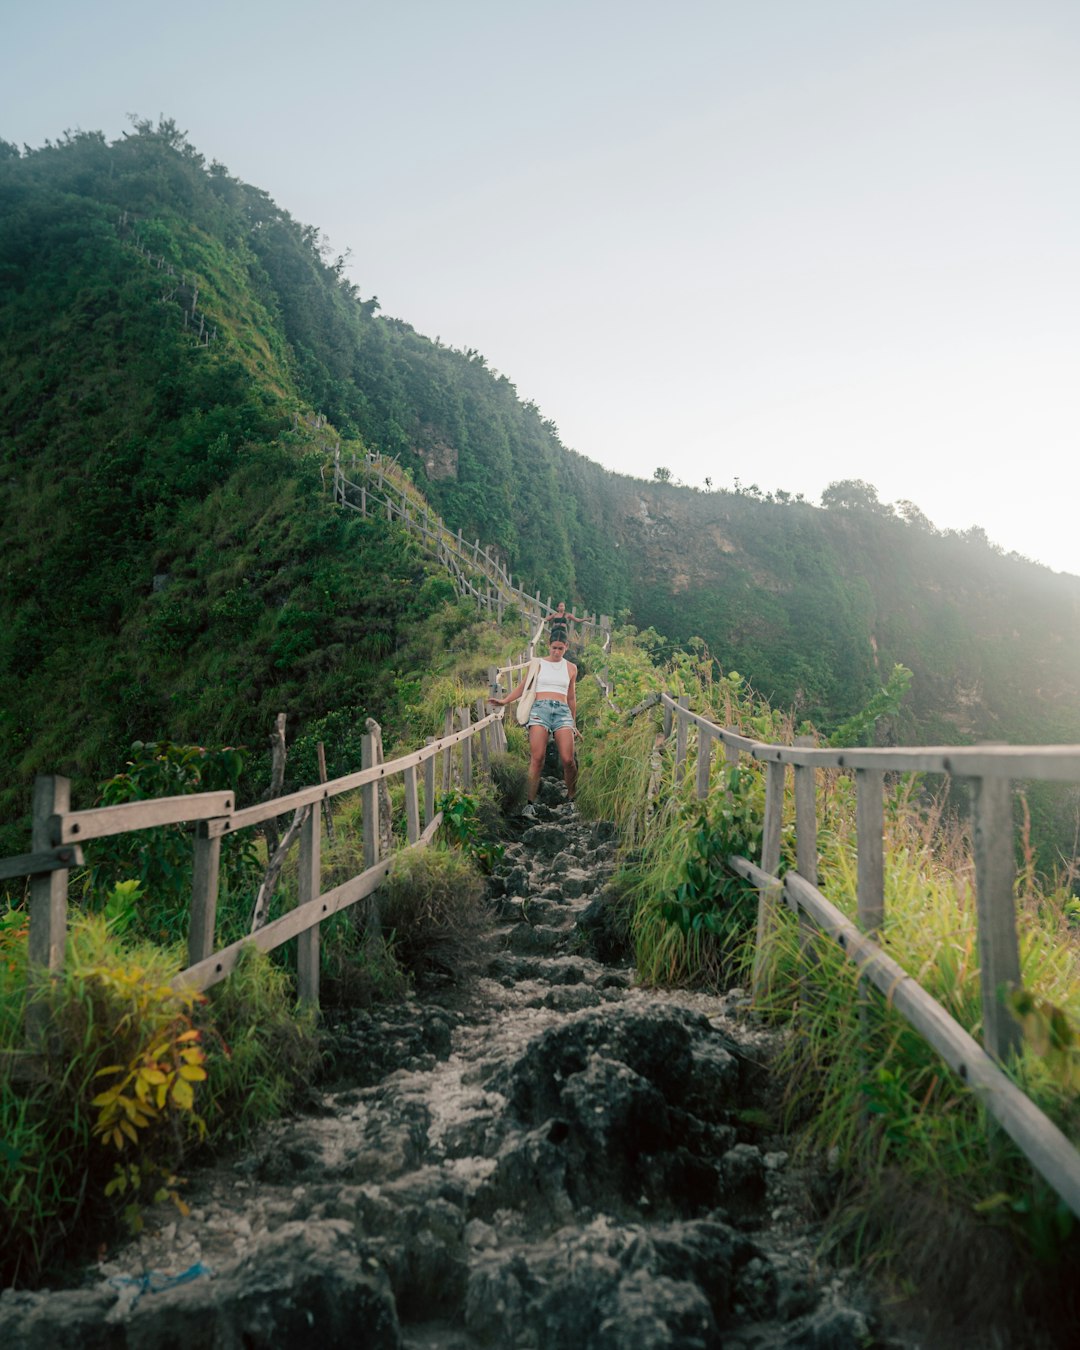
column 528, row 694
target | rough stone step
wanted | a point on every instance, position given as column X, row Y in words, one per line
column 564, row 1161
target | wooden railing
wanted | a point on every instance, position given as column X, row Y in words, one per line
column 477, row 572
column 990, row 770
column 58, row 834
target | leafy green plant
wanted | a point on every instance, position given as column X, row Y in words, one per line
column 859, row 729
column 461, row 825
column 153, row 898
column 709, row 896
column 146, row 1102
column 95, row 1135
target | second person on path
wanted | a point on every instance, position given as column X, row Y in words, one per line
column 554, row 710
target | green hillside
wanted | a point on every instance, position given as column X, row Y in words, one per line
column 178, row 358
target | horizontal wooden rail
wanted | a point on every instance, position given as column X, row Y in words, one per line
column 101, row 821
column 215, row 968
column 318, row 792
column 1054, row 763
column 52, row 860
column 1038, row 1138
column 53, row 854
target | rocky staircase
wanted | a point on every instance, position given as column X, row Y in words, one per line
column 559, row 1160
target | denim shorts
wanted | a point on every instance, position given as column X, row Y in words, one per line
column 551, row 714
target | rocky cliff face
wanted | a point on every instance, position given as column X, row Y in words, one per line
column 815, row 607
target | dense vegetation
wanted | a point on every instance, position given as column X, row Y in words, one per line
column 175, row 575
column 173, row 568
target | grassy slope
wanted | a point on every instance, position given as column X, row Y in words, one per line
column 132, row 454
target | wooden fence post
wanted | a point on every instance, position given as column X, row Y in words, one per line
column 869, row 827
column 680, row 740
column 309, row 890
column 806, row 849
column 328, row 814
column 995, row 874
column 482, row 737
column 386, row 824
column 704, row 762
column 412, row 805
column 48, row 903
column 369, row 799
column 448, row 754
column 769, row 895
column 805, row 818
column 429, row 785
column 204, row 894
column 668, row 716
column 464, row 721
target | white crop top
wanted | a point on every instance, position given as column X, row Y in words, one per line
column 554, row 678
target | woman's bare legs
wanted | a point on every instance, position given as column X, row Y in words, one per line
column 538, row 738
column 564, row 743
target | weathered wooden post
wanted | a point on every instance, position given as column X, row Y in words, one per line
column 309, row 888
column 464, row 722
column 48, row 903
column 429, row 785
column 805, row 817
column 412, row 805
column 769, row 894
column 386, row 825
column 869, row 833
column 806, row 851
column 369, row 798
column 731, row 761
column 680, row 740
column 995, row 875
column 482, row 737
column 204, row 894
column 704, row 762
column 668, row 716
column 328, row 815
column 448, row 753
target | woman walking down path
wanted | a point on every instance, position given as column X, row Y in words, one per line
column 559, row 623
column 554, row 710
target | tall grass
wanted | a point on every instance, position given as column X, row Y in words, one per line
column 857, row 1079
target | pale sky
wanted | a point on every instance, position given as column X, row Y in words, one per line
column 784, row 241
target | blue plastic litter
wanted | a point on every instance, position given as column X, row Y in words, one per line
column 154, row 1282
